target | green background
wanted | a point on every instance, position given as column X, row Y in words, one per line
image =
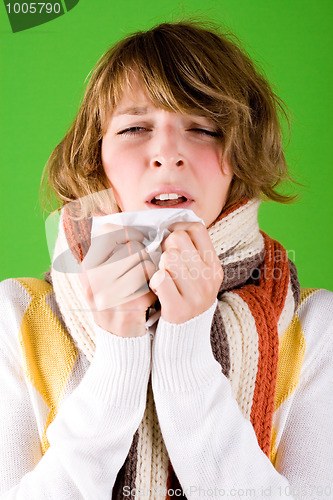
column 43, row 71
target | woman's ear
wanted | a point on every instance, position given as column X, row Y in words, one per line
column 226, row 167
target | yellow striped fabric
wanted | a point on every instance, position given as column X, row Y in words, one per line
column 291, row 356
column 48, row 352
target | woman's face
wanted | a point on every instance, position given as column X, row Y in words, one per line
column 155, row 158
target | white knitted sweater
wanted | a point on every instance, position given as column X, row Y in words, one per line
column 212, row 447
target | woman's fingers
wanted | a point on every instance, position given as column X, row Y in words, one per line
column 108, row 292
column 199, row 236
column 189, row 275
column 127, row 255
column 165, row 288
column 182, row 270
column 105, row 244
column 188, row 253
column 195, row 245
column 124, row 258
column 134, row 280
column 117, row 267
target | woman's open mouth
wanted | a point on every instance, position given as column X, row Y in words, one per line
column 169, row 199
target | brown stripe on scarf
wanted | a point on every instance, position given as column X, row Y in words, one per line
column 238, row 273
column 127, row 474
column 173, row 485
column 294, row 283
column 219, row 342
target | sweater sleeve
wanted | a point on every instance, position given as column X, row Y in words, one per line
column 212, row 447
column 93, row 430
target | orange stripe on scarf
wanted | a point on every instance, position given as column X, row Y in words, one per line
column 266, row 301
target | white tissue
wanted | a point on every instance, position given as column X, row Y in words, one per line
column 154, row 224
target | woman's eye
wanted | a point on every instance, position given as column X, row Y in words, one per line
column 132, row 131
column 204, row 131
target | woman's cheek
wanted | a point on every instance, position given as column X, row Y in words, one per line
column 209, row 163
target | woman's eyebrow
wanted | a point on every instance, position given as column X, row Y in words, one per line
column 138, row 110
column 133, row 110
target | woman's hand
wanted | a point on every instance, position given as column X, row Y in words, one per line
column 189, row 275
column 115, row 275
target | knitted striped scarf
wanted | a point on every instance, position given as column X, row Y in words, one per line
column 256, row 302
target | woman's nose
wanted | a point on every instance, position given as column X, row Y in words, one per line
column 167, row 161
column 166, row 150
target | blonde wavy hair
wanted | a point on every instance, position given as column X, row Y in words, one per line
column 184, row 67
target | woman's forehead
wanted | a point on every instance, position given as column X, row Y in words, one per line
column 134, row 90
column 135, row 100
